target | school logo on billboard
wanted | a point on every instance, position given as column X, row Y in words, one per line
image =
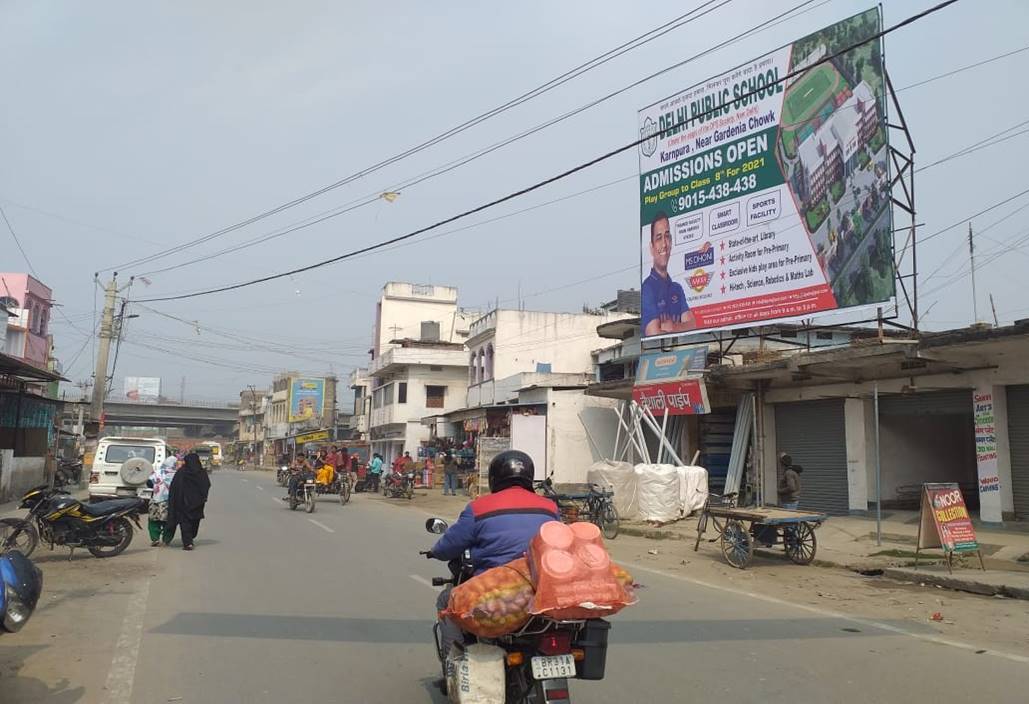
column 705, row 256
column 648, row 133
column 699, row 280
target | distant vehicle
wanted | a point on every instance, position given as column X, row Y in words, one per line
column 122, row 465
column 216, row 453
column 206, row 456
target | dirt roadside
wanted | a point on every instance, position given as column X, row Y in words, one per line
column 987, row 622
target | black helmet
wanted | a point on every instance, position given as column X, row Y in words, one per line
column 511, row 468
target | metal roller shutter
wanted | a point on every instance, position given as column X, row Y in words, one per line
column 813, row 432
column 929, row 403
column 1018, row 437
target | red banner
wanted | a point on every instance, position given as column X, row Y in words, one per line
column 950, row 518
column 787, row 304
column 677, row 398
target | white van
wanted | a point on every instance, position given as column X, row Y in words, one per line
column 121, row 466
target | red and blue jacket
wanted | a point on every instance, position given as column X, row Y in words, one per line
column 496, row 528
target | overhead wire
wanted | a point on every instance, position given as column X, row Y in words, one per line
column 694, row 14
column 948, row 74
column 545, row 182
column 323, row 216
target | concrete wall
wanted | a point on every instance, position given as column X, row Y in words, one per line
column 19, row 474
column 917, row 449
column 569, row 451
column 403, row 306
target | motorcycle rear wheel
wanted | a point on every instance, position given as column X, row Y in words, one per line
column 120, row 528
column 293, row 502
column 18, row 534
column 344, row 493
column 409, row 493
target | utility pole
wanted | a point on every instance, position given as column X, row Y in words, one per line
column 971, row 258
column 253, row 419
column 996, row 323
column 104, row 349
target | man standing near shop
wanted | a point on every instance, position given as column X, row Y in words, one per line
column 663, row 300
column 789, row 482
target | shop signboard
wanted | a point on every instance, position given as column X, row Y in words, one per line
column 306, row 399
column 765, row 191
column 317, row 436
column 674, row 364
column 984, row 416
column 677, row 398
column 944, row 521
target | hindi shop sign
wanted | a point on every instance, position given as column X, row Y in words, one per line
column 984, row 409
column 764, row 191
column 677, row 398
column 944, row 520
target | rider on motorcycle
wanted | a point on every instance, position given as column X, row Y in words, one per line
column 497, row 527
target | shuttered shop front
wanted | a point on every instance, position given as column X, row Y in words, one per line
column 814, row 434
column 1018, row 436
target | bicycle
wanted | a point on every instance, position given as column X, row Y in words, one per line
column 596, row 506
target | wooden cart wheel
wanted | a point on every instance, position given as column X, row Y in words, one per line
column 737, row 545
column 800, row 543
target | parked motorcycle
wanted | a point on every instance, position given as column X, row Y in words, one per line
column 55, row 516
column 399, row 486
column 20, row 585
column 538, row 660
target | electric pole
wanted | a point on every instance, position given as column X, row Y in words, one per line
column 253, row 419
column 104, row 349
column 971, row 258
column 996, row 323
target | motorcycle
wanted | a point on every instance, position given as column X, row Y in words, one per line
column 399, row 486
column 21, row 583
column 58, row 518
column 282, row 475
column 302, row 490
column 538, row 659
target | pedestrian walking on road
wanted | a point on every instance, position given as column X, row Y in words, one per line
column 160, row 481
column 374, row 472
column 450, row 478
column 187, row 497
column 789, row 482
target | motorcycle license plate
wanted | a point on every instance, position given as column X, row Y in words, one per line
column 549, row 667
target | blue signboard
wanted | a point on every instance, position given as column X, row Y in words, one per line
column 676, row 364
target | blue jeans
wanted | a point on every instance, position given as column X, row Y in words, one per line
column 791, row 505
column 450, row 484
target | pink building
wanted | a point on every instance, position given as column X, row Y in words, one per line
column 28, row 330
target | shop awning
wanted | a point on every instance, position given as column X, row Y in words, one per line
column 16, row 370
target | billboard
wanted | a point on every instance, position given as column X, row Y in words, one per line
column 142, row 388
column 674, row 364
column 306, row 399
column 766, row 198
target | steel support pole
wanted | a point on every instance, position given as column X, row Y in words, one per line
column 878, row 469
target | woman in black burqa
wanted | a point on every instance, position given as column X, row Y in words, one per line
column 186, row 498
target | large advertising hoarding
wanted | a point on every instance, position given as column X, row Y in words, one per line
column 306, row 399
column 142, row 388
column 763, row 198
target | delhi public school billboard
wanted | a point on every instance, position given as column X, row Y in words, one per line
column 768, row 199
column 306, row 399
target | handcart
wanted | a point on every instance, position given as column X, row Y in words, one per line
column 739, row 528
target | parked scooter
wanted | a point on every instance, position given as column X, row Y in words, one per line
column 58, row 518
column 21, row 583
column 538, row 660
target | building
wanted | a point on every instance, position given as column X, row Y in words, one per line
column 252, row 429
column 29, row 423
column 27, row 335
column 418, row 364
column 299, row 408
column 831, row 152
column 360, row 384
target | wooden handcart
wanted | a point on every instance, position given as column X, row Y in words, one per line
column 739, row 529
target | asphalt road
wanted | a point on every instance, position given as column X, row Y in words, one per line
column 336, row 606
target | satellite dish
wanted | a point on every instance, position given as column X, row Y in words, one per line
column 136, row 471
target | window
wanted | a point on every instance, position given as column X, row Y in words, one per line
column 402, row 392
column 116, row 454
column 435, row 396
column 488, row 373
column 473, row 367
column 823, row 335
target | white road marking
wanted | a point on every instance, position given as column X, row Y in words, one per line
column 278, row 502
column 260, row 488
column 126, row 651
column 869, row 623
column 322, row 526
column 422, row 580
column 243, row 480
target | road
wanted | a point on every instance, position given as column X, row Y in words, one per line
column 278, row 606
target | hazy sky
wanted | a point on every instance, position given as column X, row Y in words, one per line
column 130, row 127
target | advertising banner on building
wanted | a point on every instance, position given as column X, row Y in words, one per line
column 984, row 410
column 677, row 398
column 306, row 399
column 142, row 388
column 764, row 197
column 945, row 521
column 675, row 364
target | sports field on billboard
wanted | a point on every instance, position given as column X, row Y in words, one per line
column 767, row 198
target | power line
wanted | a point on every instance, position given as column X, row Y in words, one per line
column 484, row 151
column 637, row 42
column 981, row 144
column 553, row 179
column 963, row 68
